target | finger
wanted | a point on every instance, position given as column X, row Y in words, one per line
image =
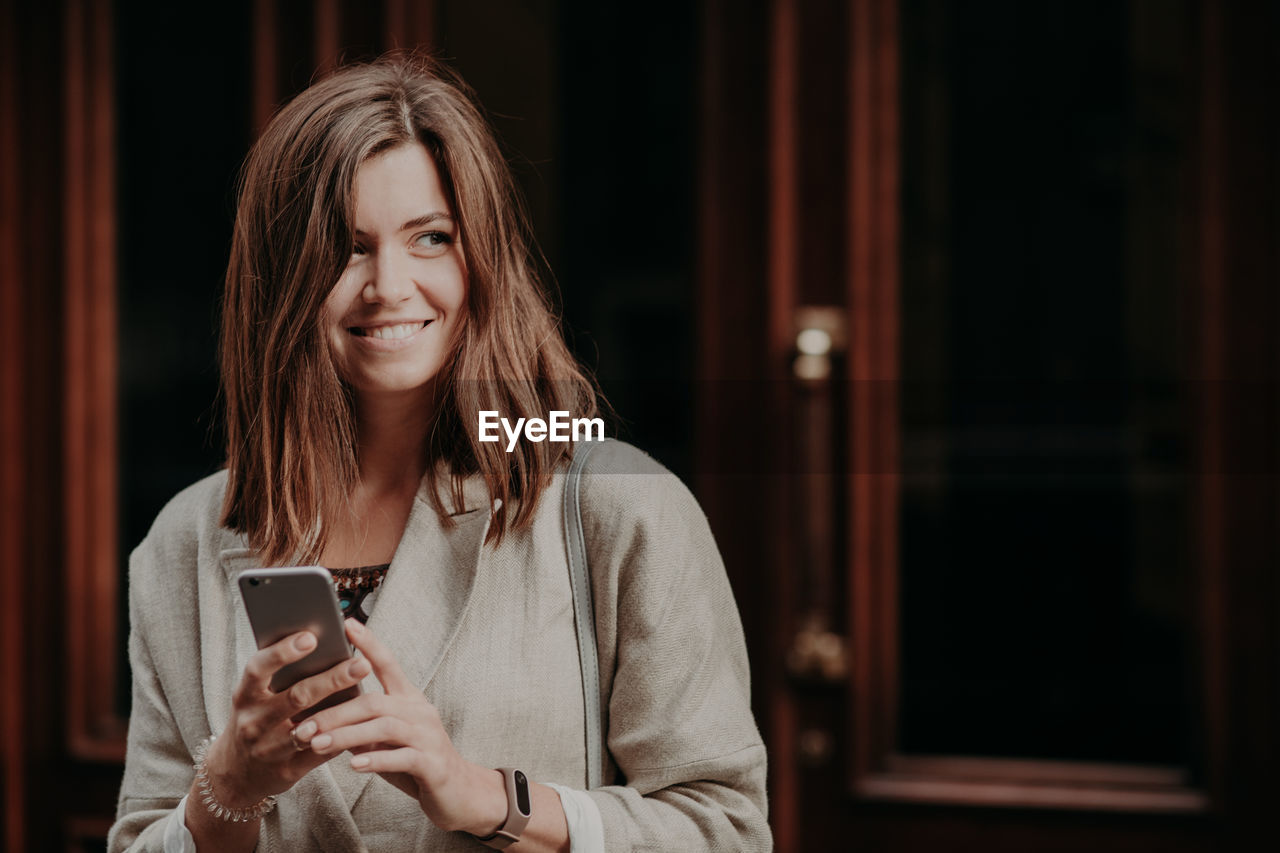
column 309, row 691
column 279, row 743
column 300, row 736
column 266, row 662
column 385, row 666
column 367, row 706
column 381, row 730
column 402, row 760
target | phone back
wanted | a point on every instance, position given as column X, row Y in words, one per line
column 284, row 601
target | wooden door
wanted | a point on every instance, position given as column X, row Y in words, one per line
column 1008, row 566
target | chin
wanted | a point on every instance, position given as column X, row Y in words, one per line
column 394, row 385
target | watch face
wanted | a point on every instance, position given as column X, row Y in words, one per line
column 522, row 793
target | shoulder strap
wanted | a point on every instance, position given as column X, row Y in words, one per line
column 584, row 610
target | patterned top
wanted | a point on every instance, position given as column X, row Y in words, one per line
column 355, row 585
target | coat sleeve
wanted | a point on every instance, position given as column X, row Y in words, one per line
column 158, row 769
column 688, row 759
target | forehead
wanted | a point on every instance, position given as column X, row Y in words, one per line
column 397, row 185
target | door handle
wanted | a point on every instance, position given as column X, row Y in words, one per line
column 817, row 652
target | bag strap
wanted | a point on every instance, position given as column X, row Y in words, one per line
column 584, row 610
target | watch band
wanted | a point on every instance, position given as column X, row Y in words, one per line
column 519, row 808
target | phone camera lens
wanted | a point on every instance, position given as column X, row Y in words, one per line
column 253, row 581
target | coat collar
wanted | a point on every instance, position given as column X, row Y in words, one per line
column 419, row 610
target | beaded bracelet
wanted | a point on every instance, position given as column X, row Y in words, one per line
column 217, row 809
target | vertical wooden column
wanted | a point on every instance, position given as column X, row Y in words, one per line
column 328, row 36
column 1238, row 313
column 265, row 86
column 411, row 25
column 1209, row 375
column 872, row 283
column 12, row 394
column 783, row 206
column 94, row 730
column 58, row 653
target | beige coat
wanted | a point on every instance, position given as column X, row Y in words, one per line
column 488, row 634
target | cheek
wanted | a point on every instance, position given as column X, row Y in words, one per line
column 339, row 300
column 461, row 307
column 447, row 291
column 331, row 329
column 463, row 291
column 464, row 282
column 459, row 317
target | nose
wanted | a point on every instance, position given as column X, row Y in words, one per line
column 390, row 282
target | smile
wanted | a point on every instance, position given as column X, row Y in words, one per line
column 389, row 333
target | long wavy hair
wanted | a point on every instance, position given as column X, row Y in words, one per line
column 291, row 431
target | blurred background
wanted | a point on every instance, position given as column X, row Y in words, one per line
column 960, row 319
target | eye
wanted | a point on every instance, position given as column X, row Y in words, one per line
column 432, row 240
column 358, row 249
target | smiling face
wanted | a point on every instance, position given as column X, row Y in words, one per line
column 394, row 315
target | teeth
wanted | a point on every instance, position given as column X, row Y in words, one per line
column 389, row 333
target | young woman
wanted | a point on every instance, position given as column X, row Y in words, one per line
column 379, row 296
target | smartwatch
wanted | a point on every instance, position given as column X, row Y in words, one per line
column 518, row 810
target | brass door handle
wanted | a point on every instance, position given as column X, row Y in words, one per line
column 817, row 652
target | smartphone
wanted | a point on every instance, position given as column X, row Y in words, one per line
column 284, row 601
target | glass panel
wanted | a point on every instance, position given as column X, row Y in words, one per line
column 1045, row 512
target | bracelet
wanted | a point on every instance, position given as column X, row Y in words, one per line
column 217, row 809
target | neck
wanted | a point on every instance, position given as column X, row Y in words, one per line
column 392, row 441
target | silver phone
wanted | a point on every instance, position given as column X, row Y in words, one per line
column 284, row 601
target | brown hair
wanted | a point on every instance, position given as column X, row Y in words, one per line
column 291, row 434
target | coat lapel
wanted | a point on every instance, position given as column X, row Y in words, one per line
column 421, row 603
column 332, row 827
column 226, row 640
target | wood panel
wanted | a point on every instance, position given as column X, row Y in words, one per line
column 873, row 371
column 1238, row 217
column 784, row 267
column 1210, row 292
column 411, row 25
column 94, row 730
column 30, row 304
column 13, row 521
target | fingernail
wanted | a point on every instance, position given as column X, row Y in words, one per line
column 321, row 741
column 359, row 761
column 358, row 668
column 305, row 641
column 356, row 626
column 307, row 729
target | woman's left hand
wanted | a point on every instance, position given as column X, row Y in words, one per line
column 399, row 736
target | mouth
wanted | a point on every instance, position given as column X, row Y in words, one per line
column 394, row 332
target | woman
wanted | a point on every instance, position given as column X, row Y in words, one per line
column 379, row 296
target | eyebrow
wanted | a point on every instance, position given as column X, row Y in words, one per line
column 418, row 222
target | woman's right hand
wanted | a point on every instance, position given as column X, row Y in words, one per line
column 257, row 755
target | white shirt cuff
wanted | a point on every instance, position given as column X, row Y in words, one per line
column 586, row 829
column 177, row 838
